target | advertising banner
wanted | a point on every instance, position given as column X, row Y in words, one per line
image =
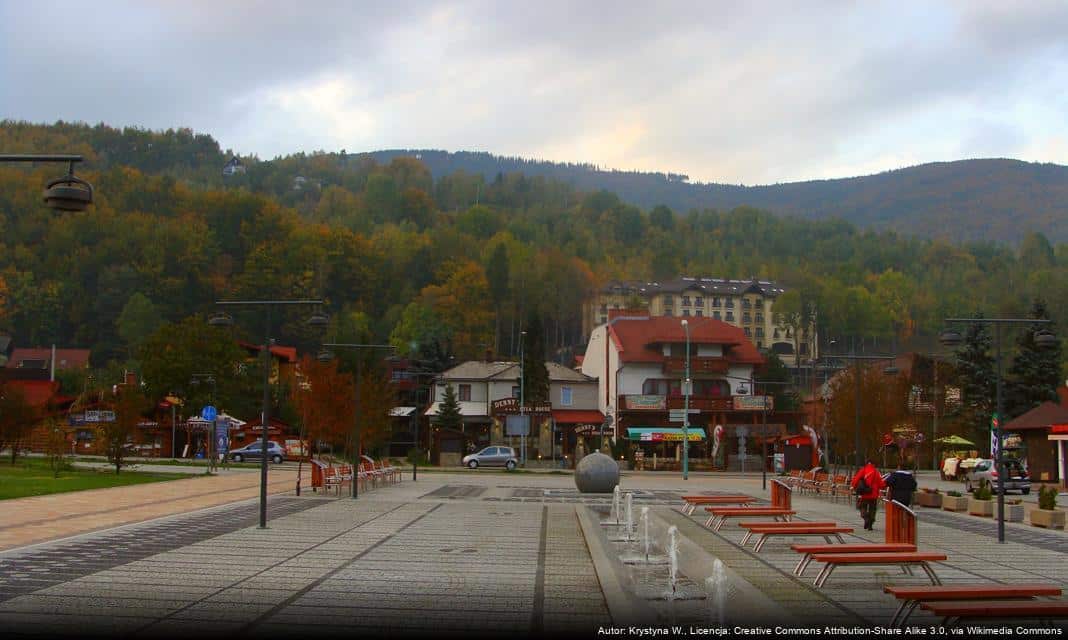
column 648, row 403
column 754, row 403
column 222, row 436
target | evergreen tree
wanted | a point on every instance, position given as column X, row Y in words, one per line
column 535, row 374
column 449, row 416
column 1035, row 373
column 977, row 379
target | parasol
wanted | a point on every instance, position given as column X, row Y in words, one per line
column 955, row 441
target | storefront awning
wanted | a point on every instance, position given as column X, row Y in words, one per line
column 663, row 434
column 578, row 416
column 401, row 412
column 467, row 409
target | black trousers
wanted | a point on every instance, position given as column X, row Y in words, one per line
column 867, row 511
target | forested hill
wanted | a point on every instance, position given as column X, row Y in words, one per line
column 966, row 200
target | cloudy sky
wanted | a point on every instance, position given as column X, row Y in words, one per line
column 740, row 92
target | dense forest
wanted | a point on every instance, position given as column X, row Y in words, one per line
column 440, row 266
column 992, row 199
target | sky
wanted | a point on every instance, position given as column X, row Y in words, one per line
column 729, row 92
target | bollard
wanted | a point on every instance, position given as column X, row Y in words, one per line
column 414, row 473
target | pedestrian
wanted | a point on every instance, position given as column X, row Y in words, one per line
column 867, row 483
column 902, row 484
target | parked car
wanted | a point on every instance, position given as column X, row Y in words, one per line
column 275, row 452
column 492, row 457
column 1016, row 478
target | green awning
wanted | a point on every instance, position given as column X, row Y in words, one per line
column 663, row 434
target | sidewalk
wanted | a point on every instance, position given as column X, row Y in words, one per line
column 60, row 515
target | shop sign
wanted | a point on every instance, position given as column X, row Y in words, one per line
column 511, row 405
column 754, row 403
column 647, row 403
column 660, row 436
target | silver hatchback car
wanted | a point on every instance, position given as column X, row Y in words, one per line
column 1015, row 480
column 492, row 457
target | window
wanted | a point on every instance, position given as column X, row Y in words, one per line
column 465, row 392
column 668, row 312
column 660, row 387
column 699, row 302
column 565, row 396
column 748, row 333
column 775, row 334
column 685, row 301
column 730, row 316
column 760, row 332
column 515, row 391
column 604, row 319
column 746, row 304
column 488, row 451
column 699, row 313
column 760, row 345
column 760, row 303
column 730, row 303
column 604, row 308
column 760, row 318
column 669, row 301
column 715, row 302
column 686, row 313
column 746, row 318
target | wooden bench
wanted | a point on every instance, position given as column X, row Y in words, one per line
column 690, row 503
column 901, row 559
column 911, row 597
column 900, row 536
column 767, row 532
column 807, row 550
column 781, row 525
column 331, row 480
column 781, row 498
column 953, row 611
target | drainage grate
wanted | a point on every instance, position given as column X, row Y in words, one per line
column 456, row 491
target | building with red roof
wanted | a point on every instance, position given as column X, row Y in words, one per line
column 640, row 363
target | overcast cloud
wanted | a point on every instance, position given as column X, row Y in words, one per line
column 748, row 93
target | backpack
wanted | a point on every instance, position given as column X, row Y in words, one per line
column 862, row 487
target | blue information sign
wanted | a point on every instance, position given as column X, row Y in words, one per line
column 222, row 436
column 209, row 413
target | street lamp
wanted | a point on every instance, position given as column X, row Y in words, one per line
column 326, row 356
column 856, row 390
column 523, row 398
column 687, row 388
column 68, row 193
column 1044, row 339
column 224, row 320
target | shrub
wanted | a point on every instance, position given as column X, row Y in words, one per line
column 416, row 456
column 955, row 494
column 1047, row 498
column 983, row 492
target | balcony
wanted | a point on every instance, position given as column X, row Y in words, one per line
column 677, row 365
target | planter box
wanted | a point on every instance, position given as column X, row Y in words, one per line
column 954, row 503
column 981, row 508
column 1048, row 519
column 1013, row 512
column 925, row 499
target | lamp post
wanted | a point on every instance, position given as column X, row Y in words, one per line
column 325, row 356
column 67, row 193
column 224, row 320
column 856, row 390
column 1044, row 339
column 687, row 388
column 522, row 395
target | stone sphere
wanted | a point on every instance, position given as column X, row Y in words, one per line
column 597, row 473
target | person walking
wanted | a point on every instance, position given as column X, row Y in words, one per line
column 902, row 485
column 867, row 483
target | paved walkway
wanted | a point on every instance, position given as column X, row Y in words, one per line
column 59, row 515
column 468, row 552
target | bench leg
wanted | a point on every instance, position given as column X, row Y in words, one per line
column 746, row 537
column 799, row 569
column 839, row 536
column 708, row 523
column 760, row 543
column 900, row 608
column 823, row 575
column 720, row 523
column 931, row 574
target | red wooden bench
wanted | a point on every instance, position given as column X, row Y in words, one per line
column 911, row 597
column 900, row 559
column 953, row 611
column 780, row 525
column 767, row 532
column 690, row 503
column 779, row 509
column 899, row 537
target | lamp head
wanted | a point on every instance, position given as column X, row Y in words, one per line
column 1044, row 339
column 318, row 320
column 221, row 320
column 325, row 355
column 68, row 194
column 950, row 338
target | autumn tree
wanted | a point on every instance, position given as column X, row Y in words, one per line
column 119, row 435
column 324, row 398
column 883, row 404
column 376, row 399
column 17, row 418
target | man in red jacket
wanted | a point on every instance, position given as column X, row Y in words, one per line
column 867, row 484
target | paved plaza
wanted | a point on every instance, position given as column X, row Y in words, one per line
column 470, row 553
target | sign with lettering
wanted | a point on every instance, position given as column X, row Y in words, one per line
column 671, row 436
column 647, row 402
column 511, row 406
column 754, row 403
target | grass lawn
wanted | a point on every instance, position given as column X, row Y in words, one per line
column 176, row 462
column 33, row 477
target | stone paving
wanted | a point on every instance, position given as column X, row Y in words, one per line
column 470, row 553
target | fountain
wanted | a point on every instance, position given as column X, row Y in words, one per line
column 645, row 533
column 629, row 526
column 716, row 587
column 673, row 557
column 646, row 538
column 614, row 515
